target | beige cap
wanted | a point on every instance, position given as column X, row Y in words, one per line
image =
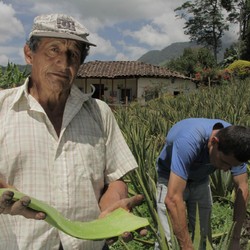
column 61, row 26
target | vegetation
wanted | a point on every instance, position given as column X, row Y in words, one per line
column 145, row 128
column 12, row 76
column 192, row 61
column 239, row 13
column 204, row 22
column 240, row 68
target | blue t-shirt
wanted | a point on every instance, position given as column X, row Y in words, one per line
column 186, row 150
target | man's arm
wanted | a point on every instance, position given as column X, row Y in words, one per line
column 240, row 205
column 115, row 196
column 177, row 210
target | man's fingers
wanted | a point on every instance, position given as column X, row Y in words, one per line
column 20, row 207
column 142, row 231
column 127, row 236
column 135, row 201
column 6, row 201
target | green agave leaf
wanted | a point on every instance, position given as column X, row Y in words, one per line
column 112, row 225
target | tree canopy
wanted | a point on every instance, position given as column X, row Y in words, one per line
column 204, row 22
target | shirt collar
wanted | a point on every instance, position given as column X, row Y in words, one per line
column 22, row 91
column 75, row 92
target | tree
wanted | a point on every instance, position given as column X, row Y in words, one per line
column 205, row 23
column 192, row 60
column 239, row 12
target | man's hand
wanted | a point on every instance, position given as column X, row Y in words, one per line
column 20, row 207
column 127, row 204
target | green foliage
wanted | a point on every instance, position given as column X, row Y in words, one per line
column 204, row 23
column 240, row 68
column 192, row 60
column 239, row 13
column 230, row 55
column 145, row 128
column 200, row 64
column 11, row 76
column 221, row 183
column 221, row 218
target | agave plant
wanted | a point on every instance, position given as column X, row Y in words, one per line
column 12, row 76
column 145, row 129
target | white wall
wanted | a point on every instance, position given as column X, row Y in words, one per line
column 163, row 85
column 137, row 87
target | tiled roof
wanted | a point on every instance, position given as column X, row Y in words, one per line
column 119, row 69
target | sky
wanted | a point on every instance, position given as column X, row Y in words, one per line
column 122, row 30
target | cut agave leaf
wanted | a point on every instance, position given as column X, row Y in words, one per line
column 112, row 225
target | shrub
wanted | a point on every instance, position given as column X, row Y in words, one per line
column 240, row 68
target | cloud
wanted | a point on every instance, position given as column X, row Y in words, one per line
column 121, row 29
column 103, row 47
column 10, row 26
column 160, row 32
column 4, row 60
column 11, row 54
column 129, row 52
column 232, row 34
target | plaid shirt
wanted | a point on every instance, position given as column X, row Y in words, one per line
column 68, row 172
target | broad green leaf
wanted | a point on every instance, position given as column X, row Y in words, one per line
column 112, row 225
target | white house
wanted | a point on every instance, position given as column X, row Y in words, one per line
column 125, row 81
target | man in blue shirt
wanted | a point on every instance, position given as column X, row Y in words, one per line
column 195, row 148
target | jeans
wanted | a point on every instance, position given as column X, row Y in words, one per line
column 195, row 193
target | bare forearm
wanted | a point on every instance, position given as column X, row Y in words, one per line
column 177, row 213
column 240, row 206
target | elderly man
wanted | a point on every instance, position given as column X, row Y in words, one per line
column 58, row 144
column 195, row 148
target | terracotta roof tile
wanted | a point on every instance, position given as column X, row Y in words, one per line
column 118, row 69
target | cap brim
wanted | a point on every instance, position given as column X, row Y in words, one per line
column 61, row 35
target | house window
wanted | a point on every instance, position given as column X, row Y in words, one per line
column 125, row 93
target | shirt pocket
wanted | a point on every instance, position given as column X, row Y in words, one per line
column 91, row 157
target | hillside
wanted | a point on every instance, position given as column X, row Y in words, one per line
column 172, row 51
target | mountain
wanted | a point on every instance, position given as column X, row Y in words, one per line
column 174, row 50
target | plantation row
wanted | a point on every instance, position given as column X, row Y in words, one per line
column 145, row 127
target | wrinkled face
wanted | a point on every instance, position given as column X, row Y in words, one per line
column 54, row 64
column 222, row 161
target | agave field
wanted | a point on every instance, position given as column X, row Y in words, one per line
column 145, row 128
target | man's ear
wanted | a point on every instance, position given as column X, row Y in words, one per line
column 214, row 140
column 27, row 54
